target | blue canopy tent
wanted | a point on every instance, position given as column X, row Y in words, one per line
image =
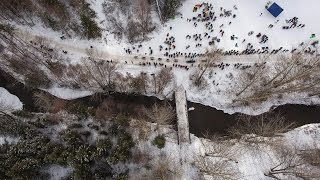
column 275, row 9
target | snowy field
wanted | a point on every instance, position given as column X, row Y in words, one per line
column 247, row 19
column 245, row 16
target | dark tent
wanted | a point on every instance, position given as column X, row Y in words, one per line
column 275, row 9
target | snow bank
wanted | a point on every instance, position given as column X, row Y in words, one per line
column 58, row 172
column 304, row 137
column 67, row 93
column 8, row 139
column 8, row 101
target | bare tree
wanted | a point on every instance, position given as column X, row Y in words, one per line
column 290, row 165
column 160, row 114
column 100, row 73
column 219, row 147
column 217, row 168
column 311, row 155
column 265, row 125
column 140, row 83
column 49, row 103
column 159, row 4
column 123, row 82
column 143, row 15
column 297, row 73
column 143, row 127
column 164, row 170
column 211, row 56
column 161, row 80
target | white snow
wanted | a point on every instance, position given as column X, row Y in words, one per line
column 67, row 93
column 58, row 172
column 247, row 19
column 8, row 101
column 9, row 140
column 305, row 137
column 253, row 160
column 251, row 164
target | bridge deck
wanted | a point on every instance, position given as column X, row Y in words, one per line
column 182, row 115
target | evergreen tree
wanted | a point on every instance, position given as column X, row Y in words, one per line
column 90, row 27
column 170, row 8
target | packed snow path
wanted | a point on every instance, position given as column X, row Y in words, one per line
column 78, row 50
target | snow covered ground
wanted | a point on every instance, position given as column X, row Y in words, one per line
column 217, row 94
column 9, row 102
column 66, row 93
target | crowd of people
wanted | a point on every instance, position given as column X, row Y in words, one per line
column 213, row 33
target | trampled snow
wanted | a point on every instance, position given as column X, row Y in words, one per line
column 216, row 94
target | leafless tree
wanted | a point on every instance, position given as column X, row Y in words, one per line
column 160, row 4
column 143, row 127
column 217, row 168
column 219, row 147
column 161, row 80
column 290, row 165
column 143, row 16
column 312, row 156
column 160, row 114
column 297, row 73
column 123, row 83
column 49, row 103
column 140, row 83
column 19, row 11
column 211, row 56
column 264, row 125
column 100, row 74
column 163, row 169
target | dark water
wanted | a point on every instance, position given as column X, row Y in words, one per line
column 206, row 119
column 202, row 120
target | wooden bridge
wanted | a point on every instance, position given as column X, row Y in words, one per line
column 182, row 115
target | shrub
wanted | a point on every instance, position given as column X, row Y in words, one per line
column 50, row 22
column 38, row 123
column 103, row 146
column 23, row 113
column 7, row 28
column 122, row 176
column 10, row 126
column 25, row 158
column 122, row 120
column 159, row 141
column 57, row 68
column 53, row 119
column 20, row 66
column 81, row 109
column 133, row 32
column 37, row 79
column 75, row 126
column 102, row 171
column 122, row 152
column 72, row 138
column 85, row 9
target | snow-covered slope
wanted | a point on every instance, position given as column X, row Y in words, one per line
column 8, row 101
